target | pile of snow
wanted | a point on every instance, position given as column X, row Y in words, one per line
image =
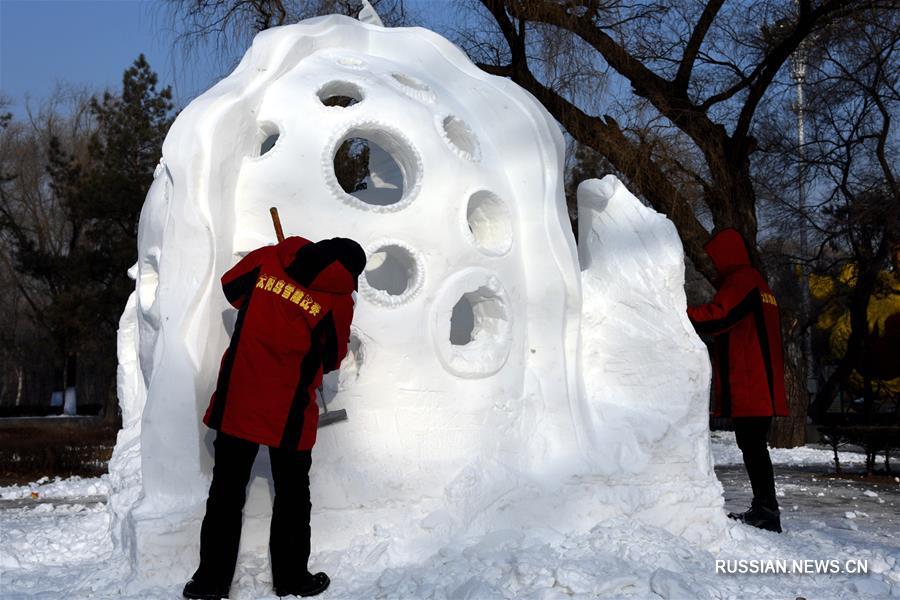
column 48, row 489
column 66, row 551
column 53, row 523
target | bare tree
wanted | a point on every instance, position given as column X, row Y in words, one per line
column 846, row 160
column 685, row 83
column 72, row 188
column 699, row 71
column 32, row 216
column 853, row 155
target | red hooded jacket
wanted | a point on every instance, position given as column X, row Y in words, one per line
column 743, row 317
column 294, row 311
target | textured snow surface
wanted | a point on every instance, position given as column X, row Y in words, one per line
column 67, row 552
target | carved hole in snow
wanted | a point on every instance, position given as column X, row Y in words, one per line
column 479, row 333
column 460, row 137
column 341, row 94
column 489, row 223
column 392, row 275
column 374, row 167
column 410, row 82
column 268, row 136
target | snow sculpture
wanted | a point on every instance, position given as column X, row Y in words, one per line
column 465, row 382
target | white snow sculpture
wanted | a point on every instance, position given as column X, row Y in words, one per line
column 469, row 341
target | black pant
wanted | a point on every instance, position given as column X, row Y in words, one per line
column 751, row 434
column 289, row 533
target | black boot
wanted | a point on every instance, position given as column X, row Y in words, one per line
column 763, row 518
column 740, row 516
column 198, row 591
column 310, row 585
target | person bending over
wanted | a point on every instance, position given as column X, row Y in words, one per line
column 295, row 306
column 748, row 371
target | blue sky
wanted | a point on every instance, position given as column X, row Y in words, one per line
column 89, row 43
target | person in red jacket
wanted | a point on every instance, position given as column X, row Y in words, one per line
column 748, row 371
column 295, row 304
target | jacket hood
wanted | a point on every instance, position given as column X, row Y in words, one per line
column 727, row 251
column 332, row 265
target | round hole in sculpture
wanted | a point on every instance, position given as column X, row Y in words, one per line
column 341, row 94
column 489, row 222
column 391, row 269
column 410, row 82
column 267, row 137
column 460, row 137
column 394, row 273
column 375, row 167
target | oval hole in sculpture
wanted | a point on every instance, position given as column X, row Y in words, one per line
column 391, row 269
column 342, row 94
column 268, row 137
column 490, row 222
column 460, row 137
column 373, row 167
column 479, row 332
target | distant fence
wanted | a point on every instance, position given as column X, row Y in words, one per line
column 31, row 447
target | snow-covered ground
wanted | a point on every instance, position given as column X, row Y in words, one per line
column 60, row 546
column 726, row 452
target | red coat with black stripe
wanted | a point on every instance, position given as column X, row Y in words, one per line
column 294, row 311
column 743, row 317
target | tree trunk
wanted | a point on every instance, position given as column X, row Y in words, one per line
column 790, row 431
column 111, row 409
